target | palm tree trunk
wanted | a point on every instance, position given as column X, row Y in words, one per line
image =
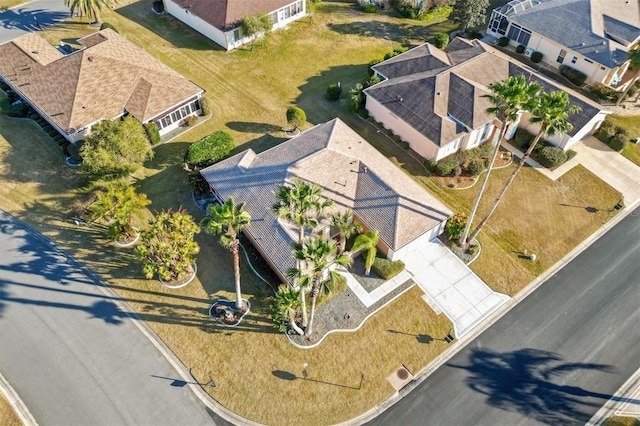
column 511, row 178
column 463, row 240
column 236, row 270
column 96, row 15
column 294, row 326
column 305, row 319
column 309, row 329
column 343, row 244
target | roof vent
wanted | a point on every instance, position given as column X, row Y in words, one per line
column 35, row 52
column 90, row 58
column 399, row 98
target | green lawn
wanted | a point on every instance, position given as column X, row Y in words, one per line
column 632, row 124
column 249, row 93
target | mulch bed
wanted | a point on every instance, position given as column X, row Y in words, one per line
column 466, row 180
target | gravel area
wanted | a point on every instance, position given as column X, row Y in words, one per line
column 370, row 282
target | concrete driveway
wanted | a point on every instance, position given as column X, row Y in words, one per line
column 71, row 352
column 31, row 16
column 451, row 287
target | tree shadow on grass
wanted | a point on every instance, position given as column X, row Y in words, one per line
column 247, row 127
column 405, row 32
column 524, row 381
column 167, row 27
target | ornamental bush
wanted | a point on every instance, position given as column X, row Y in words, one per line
column 440, row 40
column 552, row 156
column 607, row 130
column 476, row 166
column 618, row 142
column 210, row 149
column 334, row 90
column 386, row 268
column 520, row 48
column 369, row 7
column 536, row 57
column 503, row 41
column 573, row 75
column 455, row 226
column 153, row 133
column 372, row 63
column 446, row 166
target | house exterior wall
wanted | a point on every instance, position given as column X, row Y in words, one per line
column 565, row 141
column 416, row 244
column 173, row 117
column 418, row 142
column 196, row 23
column 234, row 38
column 478, row 136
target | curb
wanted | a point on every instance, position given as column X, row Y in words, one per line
column 423, row 374
column 617, row 399
column 16, row 403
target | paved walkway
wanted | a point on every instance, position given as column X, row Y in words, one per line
column 451, row 287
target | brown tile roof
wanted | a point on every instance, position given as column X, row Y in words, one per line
column 227, row 14
column 97, row 82
column 352, row 173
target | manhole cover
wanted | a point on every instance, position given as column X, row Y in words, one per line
column 402, row 374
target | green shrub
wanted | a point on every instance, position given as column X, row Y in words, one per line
column 607, row 130
column 573, row 75
column 618, row 142
column 455, row 226
column 476, row 166
column 408, row 11
column 395, row 52
column 296, row 117
column 17, row 111
column 570, row 154
column 372, row 63
column 440, row 40
column 190, row 120
column 503, row 41
column 334, row 90
column 362, row 112
column 107, row 25
column 536, row 57
column 552, row 156
column 446, row 166
column 153, row 133
column 522, row 139
column 371, row 81
column 520, row 48
column 369, row 8
column 210, row 149
column 473, row 249
column 633, row 90
column 431, row 164
column 386, row 268
column 622, row 132
column 204, row 106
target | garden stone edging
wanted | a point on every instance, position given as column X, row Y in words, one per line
column 193, row 276
column 231, row 304
column 130, row 243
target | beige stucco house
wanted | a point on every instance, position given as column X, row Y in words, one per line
column 351, row 172
column 219, row 20
column 106, row 79
column 591, row 36
column 435, row 100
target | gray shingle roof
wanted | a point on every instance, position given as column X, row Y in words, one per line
column 426, row 100
column 352, row 173
column 578, row 24
column 422, row 58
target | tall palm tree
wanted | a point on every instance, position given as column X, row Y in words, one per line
column 634, row 64
column 227, row 220
column 89, row 7
column 116, row 206
column 316, row 254
column 285, row 306
column 367, row 242
column 344, row 224
column 508, row 99
column 301, row 204
column 551, row 111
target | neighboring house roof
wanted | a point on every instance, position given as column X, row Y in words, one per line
column 350, row 171
column 227, row 14
column 97, row 82
column 446, row 103
column 601, row 30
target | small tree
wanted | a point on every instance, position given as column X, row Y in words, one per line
column 469, row 13
column 296, row 117
column 367, row 242
column 167, row 247
column 440, row 40
column 285, row 307
column 344, row 224
column 455, row 226
column 115, row 207
column 227, row 220
column 115, row 148
column 356, row 97
column 255, row 26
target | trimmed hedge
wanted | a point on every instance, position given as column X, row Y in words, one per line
column 618, row 142
column 536, row 57
column 440, row 40
column 520, row 48
column 573, row 75
column 503, row 41
column 552, row 156
column 204, row 106
column 476, row 166
column 446, row 166
column 334, row 90
column 210, row 149
column 153, row 133
column 386, row 268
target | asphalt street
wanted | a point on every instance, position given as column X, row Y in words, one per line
column 70, row 351
column 30, row 17
column 555, row 358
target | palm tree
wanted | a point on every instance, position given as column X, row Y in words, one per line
column 301, row 204
column 344, row 224
column 227, row 220
column 284, row 308
column 367, row 242
column 551, row 111
column 316, row 254
column 89, row 7
column 115, row 207
column 634, row 64
column 508, row 99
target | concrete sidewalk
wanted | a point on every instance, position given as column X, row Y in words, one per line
column 451, row 287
